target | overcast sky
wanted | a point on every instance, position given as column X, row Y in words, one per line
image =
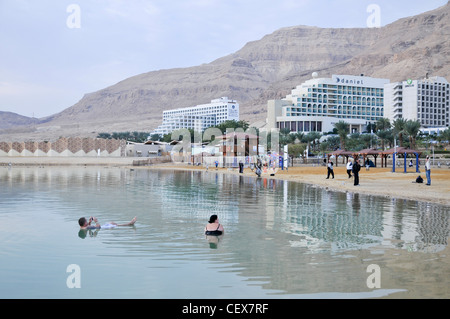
column 52, row 52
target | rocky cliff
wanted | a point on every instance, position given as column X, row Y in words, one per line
column 265, row 69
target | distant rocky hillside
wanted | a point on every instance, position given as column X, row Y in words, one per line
column 10, row 120
column 265, row 69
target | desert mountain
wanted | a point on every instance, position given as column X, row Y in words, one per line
column 265, row 69
column 10, row 120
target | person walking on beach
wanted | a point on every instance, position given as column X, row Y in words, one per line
column 349, row 168
column 427, row 171
column 356, row 167
column 330, row 169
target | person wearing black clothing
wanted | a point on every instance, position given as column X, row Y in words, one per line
column 356, row 167
column 330, row 169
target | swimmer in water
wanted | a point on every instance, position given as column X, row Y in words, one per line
column 213, row 227
column 85, row 224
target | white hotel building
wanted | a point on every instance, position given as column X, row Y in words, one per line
column 426, row 100
column 319, row 103
column 199, row 117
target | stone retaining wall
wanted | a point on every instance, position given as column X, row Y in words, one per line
column 73, row 146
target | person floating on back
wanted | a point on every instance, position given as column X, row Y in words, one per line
column 85, row 224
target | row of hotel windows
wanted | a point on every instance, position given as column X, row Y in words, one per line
column 434, row 122
column 204, row 113
column 437, row 86
column 436, row 99
column 431, row 105
column 301, row 126
column 193, row 110
column 211, row 120
column 355, row 100
column 344, row 116
column 431, row 116
column 435, row 110
column 353, row 110
column 352, row 90
column 432, row 93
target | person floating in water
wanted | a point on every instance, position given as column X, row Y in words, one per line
column 85, row 224
column 213, row 227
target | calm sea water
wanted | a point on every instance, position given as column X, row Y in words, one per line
column 282, row 239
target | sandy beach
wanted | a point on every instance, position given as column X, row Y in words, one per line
column 375, row 181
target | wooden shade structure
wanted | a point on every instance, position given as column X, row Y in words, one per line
column 368, row 151
column 400, row 150
column 342, row 153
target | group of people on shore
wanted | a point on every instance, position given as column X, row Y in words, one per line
column 352, row 167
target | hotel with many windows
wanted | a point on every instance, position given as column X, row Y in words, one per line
column 425, row 100
column 319, row 103
column 199, row 117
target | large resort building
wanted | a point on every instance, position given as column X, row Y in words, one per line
column 319, row 103
column 199, row 117
column 425, row 100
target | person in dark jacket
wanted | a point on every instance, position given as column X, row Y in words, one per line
column 355, row 169
column 330, row 169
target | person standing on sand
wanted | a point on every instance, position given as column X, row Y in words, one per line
column 349, row 168
column 428, row 171
column 356, row 167
column 330, row 169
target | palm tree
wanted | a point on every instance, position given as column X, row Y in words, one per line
column 342, row 129
column 384, row 135
column 285, row 136
column 445, row 136
column 399, row 128
column 383, row 124
column 412, row 128
column 298, row 137
column 313, row 137
column 366, row 140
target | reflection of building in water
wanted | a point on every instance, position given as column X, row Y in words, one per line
column 426, row 230
column 433, row 228
column 207, row 193
column 320, row 217
column 349, row 220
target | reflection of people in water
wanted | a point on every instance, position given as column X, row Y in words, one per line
column 213, row 241
column 86, row 226
column 84, row 232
